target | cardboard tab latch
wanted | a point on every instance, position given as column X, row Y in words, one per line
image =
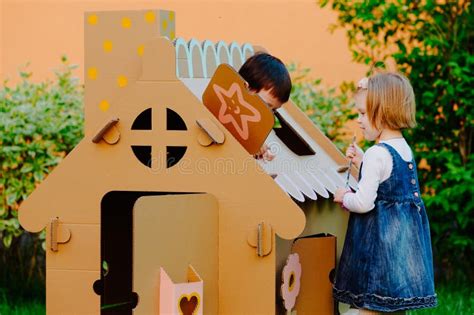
column 109, row 133
column 58, row 234
column 261, row 238
column 211, row 134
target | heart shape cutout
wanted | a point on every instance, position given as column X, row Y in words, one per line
column 189, row 304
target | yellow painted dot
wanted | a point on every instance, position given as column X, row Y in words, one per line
column 172, row 34
column 92, row 19
column 171, row 16
column 150, row 17
column 164, row 25
column 141, row 50
column 108, row 46
column 126, row 22
column 104, row 106
column 92, row 72
column 122, row 81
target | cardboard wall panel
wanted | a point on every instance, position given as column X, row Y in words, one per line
column 71, row 255
column 71, row 292
column 173, row 232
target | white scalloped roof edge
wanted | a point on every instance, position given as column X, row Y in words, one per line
column 197, row 59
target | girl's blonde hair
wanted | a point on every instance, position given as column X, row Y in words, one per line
column 390, row 101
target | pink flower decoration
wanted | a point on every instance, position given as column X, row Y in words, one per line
column 291, row 276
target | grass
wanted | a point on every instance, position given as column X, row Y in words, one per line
column 453, row 299
column 12, row 306
column 22, row 308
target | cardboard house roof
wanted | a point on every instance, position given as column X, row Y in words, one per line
column 304, row 171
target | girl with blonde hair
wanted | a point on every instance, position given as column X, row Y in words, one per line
column 386, row 265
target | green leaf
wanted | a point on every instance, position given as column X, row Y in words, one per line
column 26, row 168
column 7, row 240
column 11, row 198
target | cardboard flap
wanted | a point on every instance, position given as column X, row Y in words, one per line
column 244, row 114
column 193, row 275
column 109, row 132
column 317, row 255
column 216, row 135
column 261, row 238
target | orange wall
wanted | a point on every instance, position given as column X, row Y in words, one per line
column 40, row 31
column 1, row 40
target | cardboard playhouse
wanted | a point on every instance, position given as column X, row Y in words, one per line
column 161, row 208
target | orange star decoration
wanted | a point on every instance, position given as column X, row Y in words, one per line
column 233, row 106
column 241, row 112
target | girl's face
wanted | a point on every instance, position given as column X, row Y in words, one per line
column 369, row 132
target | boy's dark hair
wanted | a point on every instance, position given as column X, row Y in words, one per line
column 264, row 71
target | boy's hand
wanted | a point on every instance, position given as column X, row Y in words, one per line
column 339, row 194
column 264, row 153
column 355, row 153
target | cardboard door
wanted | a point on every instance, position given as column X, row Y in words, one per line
column 173, row 232
column 317, row 255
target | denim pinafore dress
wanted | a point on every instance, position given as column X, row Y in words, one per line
column 386, row 263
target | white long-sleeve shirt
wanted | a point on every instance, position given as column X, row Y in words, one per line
column 377, row 167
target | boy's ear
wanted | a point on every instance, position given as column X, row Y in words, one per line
column 246, row 85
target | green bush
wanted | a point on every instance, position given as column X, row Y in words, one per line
column 328, row 108
column 432, row 42
column 39, row 124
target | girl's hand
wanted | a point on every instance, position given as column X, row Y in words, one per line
column 355, row 153
column 339, row 194
column 264, row 154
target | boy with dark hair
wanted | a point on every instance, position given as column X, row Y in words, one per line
column 268, row 77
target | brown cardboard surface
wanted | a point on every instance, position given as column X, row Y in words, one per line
column 113, row 49
column 322, row 216
column 173, row 232
column 158, row 69
column 71, row 256
column 70, row 292
column 317, row 258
